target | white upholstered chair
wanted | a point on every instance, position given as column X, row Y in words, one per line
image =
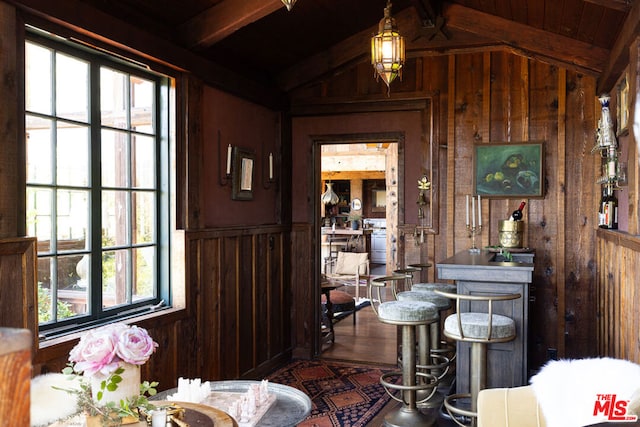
column 350, row 269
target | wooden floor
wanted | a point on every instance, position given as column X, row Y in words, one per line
column 370, row 341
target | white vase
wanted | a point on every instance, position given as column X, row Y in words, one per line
column 129, row 387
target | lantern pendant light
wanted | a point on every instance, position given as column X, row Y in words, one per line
column 387, row 49
column 289, row 4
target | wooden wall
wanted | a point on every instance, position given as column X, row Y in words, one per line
column 497, row 96
column 617, row 294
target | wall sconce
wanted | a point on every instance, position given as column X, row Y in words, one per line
column 423, row 186
column 269, row 177
column 224, row 179
column 387, row 49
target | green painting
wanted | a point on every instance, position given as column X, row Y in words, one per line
column 508, row 169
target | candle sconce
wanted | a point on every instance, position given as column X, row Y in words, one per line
column 224, row 179
column 268, row 176
column 423, row 186
column 472, row 228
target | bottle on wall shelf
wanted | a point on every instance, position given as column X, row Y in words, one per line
column 609, row 215
column 517, row 214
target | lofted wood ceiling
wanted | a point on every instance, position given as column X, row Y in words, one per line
column 261, row 40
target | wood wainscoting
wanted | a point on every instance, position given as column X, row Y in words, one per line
column 236, row 322
column 618, row 260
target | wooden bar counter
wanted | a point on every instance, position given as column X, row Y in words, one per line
column 479, row 274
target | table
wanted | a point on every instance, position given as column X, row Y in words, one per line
column 290, row 408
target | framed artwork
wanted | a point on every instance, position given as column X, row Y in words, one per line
column 623, row 106
column 242, row 181
column 513, row 169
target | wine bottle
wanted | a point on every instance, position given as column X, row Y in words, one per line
column 517, row 214
column 610, row 208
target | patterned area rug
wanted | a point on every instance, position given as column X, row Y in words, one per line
column 342, row 394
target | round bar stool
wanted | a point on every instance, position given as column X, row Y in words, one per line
column 408, row 272
column 379, row 283
column 421, row 266
column 439, row 346
column 409, row 315
column 428, row 360
column 480, row 329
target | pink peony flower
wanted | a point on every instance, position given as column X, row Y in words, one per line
column 100, row 351
column 135, row 346
column 95, row 353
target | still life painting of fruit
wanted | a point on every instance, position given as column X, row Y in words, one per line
column 508, row 169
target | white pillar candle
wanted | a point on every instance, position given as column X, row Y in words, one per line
column 473, row 212
column 466, row 205
column 229, row 159
column 159, row 418
column 479, row 211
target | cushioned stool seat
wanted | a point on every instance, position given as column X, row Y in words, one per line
column 476, row 326
column 407, row 312
column 439, row 301
column 341, row 302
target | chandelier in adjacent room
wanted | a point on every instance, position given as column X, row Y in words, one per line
column 289, row 4
column 387, row 49
column 329, row 197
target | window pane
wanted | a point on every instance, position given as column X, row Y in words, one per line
column 115, row 274
column 115, row 221
column 39, row 216
column 72, row 83
column 115, row 159
column 38, row 79
column 143, row 161
column 45, row 309
column 143, row 273
column 142, row 95
column 113, row 98
column 144, row 214
column 73, row 219
column 73, row 294
column 39, row 137
column 72, row 155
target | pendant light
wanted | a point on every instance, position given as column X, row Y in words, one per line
column 289, row 4
column 329, row 197
column 387, row 49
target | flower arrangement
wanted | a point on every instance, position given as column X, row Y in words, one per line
column 109, row 357
column 102, row 350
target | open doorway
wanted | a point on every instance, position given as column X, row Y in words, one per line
column 363, row 175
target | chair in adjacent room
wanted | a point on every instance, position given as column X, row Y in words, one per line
column 350, row 269
column 480, row 329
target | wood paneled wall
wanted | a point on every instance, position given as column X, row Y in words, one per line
column 497, row 96
column 242, row 302
column 617, row 295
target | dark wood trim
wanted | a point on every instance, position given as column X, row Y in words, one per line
column 223, row 19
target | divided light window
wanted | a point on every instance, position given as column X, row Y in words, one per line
column 94, row 180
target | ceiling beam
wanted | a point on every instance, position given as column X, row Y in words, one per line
column 619, row 57
column 539, row 44
column 94, row 26
column 223, row 19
